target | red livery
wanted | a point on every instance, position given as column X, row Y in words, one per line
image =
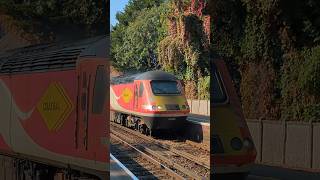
column 52, row 105
column 233, row 151
column 148, row 101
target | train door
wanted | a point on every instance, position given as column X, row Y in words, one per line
column 136, row 99
column 138, row 93
column 92, row 129
column 83, row 114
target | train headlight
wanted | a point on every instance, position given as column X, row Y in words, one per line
column 248, row 144
column 149, row 107
column 236, row 143
column 154, row 107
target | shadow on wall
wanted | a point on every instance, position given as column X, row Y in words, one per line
column 198, row 133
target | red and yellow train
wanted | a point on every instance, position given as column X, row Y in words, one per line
column 148, row 102
column 233, row 149
column 52, row 105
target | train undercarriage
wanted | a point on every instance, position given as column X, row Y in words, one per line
column 131, row 121
column 12, row 168
column 151, row 126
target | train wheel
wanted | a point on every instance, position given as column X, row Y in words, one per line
column 148, row 132
column 141, row 129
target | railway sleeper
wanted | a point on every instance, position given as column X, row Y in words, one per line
column 135, row 165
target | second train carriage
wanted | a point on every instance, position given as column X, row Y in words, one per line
column 233, row 149
column 149, row 102
column 52, row 104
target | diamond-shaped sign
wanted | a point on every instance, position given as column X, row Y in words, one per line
column 127, row 95
column 55, row 106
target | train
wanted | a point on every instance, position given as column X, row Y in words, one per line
column 53, row 105
column 149, row 102
column 233, row 151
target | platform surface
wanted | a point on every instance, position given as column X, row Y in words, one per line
column 199, row 119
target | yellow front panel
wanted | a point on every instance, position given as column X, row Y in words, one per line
column 225, row 125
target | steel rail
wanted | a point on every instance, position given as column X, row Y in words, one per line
column 166, row 146
column 168, row 171
column 161, row 157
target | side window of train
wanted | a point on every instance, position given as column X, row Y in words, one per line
column 141, row 89
column 99, row 91
column 219, row 94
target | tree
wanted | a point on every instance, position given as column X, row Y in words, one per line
column 272, row 49
column 49, row 18
column 136, row 46
column 134, row 38
column 185, row 51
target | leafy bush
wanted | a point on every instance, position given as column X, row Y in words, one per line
column 275, row 45
column 140, row 38
column 300, row 86
column 45, row 18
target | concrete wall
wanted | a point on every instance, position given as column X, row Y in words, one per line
column 298, row 145
column 201, row 107
column 288, row 144
column 272, row 142
column 316, row 146
column 198, row 132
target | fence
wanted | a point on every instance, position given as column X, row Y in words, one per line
column 201, row 107
column 287, row 144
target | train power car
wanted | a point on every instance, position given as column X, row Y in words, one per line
column 232, row 145
column 149, row 102
column 52, row 105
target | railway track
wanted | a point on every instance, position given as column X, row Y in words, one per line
column 139, row 163
column 189, row 161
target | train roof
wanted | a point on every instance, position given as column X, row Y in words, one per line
column 150, row 75
column 52, row 56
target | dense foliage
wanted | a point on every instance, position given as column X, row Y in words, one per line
column 185, row 51
column 272, row 48
column 135, row 37
column 144, row 40
column 138, row 49
column 51, row 17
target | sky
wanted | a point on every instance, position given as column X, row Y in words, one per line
column 116, row 6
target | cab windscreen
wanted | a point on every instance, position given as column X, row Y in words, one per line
column 165, row 88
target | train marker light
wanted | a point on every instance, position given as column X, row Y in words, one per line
column 248, row 144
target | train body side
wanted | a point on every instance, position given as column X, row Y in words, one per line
column 234, row 150
column 56, row 117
